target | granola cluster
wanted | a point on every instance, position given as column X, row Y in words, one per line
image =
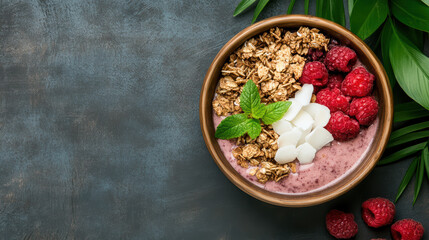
column 274, row 60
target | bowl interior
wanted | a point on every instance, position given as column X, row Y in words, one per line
column 381, row 91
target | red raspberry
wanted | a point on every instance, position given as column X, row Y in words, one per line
column 378, row 212
column 314, row 73
column 407, row 229
column 358, row 83
column 333, row 99
column 342, row 127
column 341, row 225
column 315, row 54
column 340, row 59
column 364, row 109
column 316, row 89
column 333, row 43
column 334, row 81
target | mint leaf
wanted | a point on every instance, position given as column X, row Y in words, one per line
column 250, row 99
column 237, row 125
column 254, row 128
column 275, row 111
column 232, row 127
column 259, row 111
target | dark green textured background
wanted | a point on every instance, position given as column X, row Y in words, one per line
column 100, row 135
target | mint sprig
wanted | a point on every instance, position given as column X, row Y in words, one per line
column 249, row 122
column 250, row 100
column 275, row 111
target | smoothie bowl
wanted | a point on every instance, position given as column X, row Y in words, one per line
column 296, row 110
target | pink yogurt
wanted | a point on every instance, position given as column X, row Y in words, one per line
column 331, row 164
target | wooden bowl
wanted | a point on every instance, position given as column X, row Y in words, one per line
column 382, row 91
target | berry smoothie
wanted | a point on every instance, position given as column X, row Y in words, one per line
column 331, row 164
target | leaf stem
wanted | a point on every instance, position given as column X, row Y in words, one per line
column 306, row 6
column 402, row 153
column 407, row 177
column 290, row 8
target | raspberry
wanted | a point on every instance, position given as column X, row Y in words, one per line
column 378, row 212
column 333, row 99
column 340, row 59
column 364, row 109
column 358, row 83
column 342, row 127
column 315, row 54
column 334, row 43
column 314, row 73
column 334, row 81
column 407, row 229
column 341, row 225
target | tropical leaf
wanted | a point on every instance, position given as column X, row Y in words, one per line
column 402, row 154
column 386, row 35
column 413, row 13
column 243, row 5
column 290, row 8
column 350, row 4
column 407, row 177
column 411, row 68
column 306, row 6
column 367, row 16
column 408, row 138
column 261, row 5
column 405, row 130
column 425, row 157
column 419, row 179
column 332, row 10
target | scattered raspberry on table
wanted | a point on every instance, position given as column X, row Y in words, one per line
column 407, row 229
column 341, row 225
column 378, row 212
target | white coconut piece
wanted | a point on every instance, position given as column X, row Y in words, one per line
column 303, row 95
column 293, row 110
column 306, row 153
column 303, row 120
column 320, row 113
column 319, row 138
column 303, row 135
column 286, row 154
column 289, row 138
column 282, row 126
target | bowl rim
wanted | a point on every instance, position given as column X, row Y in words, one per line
column 303, row 20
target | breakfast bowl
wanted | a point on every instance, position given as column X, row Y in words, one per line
column 376, row 135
